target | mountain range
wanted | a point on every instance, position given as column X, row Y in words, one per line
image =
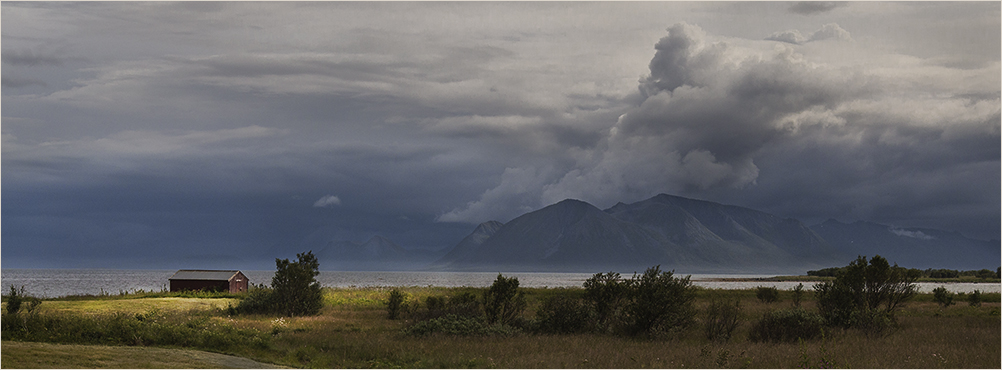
column 678, row 233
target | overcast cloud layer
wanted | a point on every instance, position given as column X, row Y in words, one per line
column 175, row 134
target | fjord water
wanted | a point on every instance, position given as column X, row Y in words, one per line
column 50, row 283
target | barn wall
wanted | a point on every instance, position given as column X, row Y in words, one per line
column 211, row 285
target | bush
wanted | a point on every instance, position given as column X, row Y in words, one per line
column 17, row 298
column 503, row 301
column 786, row 326
column 660, row 302
column 865, row 295
column 767, row 294
column 721, row 319
column 563, row 315
column 296, row 290
column 798, row 294
column 607, row 293
column 259, row 299
column 974, row 299
column 942, row 296
column 394, row 304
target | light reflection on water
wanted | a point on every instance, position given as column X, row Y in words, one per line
column 62, row 282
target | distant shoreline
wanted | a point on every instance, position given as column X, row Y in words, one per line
column 818, row 279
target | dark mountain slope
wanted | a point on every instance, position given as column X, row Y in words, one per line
column 672, row 231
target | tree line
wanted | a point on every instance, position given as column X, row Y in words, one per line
column 983, row 274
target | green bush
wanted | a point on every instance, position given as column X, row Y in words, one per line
column 503, row 301
column 767, row 294
column 258, row 300
column 798, row 294
column 608, row 294
column 942, row 296
column 865, row 295
column 563, row 315
column 394, row 304
column 974, row 299
column 17, row 298
column 660, row 303
column 787, row 325
column 296, row 290
column 722, row 318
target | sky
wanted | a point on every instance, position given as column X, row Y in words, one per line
column 195, row 134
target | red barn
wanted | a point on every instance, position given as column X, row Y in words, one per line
column 213, row 280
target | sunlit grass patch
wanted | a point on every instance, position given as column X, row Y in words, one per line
column 138, row 305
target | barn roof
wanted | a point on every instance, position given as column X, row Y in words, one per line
column 203, row 274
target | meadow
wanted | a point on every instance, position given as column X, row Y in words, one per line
column 353, row 331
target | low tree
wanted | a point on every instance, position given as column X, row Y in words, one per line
column 865, row 294
column 798, row 294
column 722, row 317
column 974, row 299
column 395, row 304
column 503, row 301
column 942, row 296
column 607, row 293
column 296, row 290
column 767, row 294
column 660, row 302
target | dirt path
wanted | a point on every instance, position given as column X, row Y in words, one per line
column 53, row 356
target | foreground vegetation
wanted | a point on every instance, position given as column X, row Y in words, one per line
column 506, row 326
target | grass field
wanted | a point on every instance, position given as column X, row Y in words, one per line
column 352, row 331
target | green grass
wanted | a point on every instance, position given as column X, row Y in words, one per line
column 353, row 331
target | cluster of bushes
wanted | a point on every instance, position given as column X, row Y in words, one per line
column 651, row 304
column 497, row 311
column 945, row 298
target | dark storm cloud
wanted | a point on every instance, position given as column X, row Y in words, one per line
column 15, row 82
column 186, row 127
column 29, row 58
column 779, row 133
column 815, row 7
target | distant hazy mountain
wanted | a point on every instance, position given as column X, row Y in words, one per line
column 688, row 235
column 910, row 247
column 675, row 232
column 472, row 242
column 378, row 253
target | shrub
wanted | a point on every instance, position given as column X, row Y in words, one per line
column 721, row 319
column 17, row 298
column 974, row 299
column 394, row 304
column 296, row 290
column 786, row 326
column 660, row 302
column 607, row 293
column 942, row 296
column 257, row 300
column 767, row 294
column 503, row 301
column 865, row 295
column 798, row 294
column 563, row 315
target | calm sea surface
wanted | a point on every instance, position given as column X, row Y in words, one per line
column 62, row 282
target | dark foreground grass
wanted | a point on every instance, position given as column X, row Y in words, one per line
column 353, row 331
